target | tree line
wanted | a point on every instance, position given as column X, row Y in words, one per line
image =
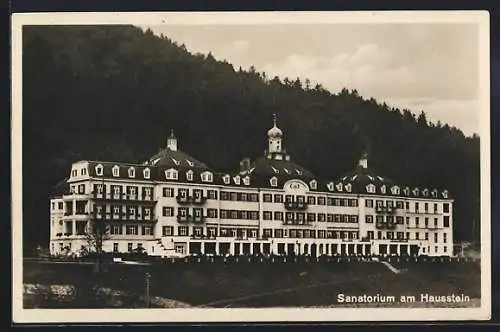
column 115, row 92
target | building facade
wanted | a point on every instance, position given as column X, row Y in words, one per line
column 174, row 205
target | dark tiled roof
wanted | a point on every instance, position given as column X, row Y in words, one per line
column 175, row 159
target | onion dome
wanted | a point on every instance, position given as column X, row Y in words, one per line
column 274, row 132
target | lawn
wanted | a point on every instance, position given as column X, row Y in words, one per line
column 264, row 285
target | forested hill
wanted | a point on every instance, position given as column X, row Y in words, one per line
column 115, row 92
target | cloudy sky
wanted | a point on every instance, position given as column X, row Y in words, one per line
column 419, row 66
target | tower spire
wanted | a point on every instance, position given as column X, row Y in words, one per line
column 275, row 118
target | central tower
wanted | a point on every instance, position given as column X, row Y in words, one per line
column 275, row 136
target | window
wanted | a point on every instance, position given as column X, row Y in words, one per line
column 399, row 220
column 369, row 203
column 407, row 205
column 267, row 232
column 115, row 230
column 370, row 188
column 171, row 174
column 417, row 221
column 182, row 230
column 444, row 238
column 237, row 179
column 278, row 198
column 426, row 207
column 129, row 247
column 446, row 221
column 426, row 222
column 116, row 170
column 395, row 190
column 212, row 213
column 348, row 187
column 212, row 194
column 435, row 222
column 168, row 192
column 273, row 181
column 244, row 197
column 278, row 215
column 330, row 201
column 278, row 233
column 253, row 197
column 168, row 230
column 131, row 172
column 226, row 178
column 234, row 196
column 115, row 247
column 206, row 177
column 168, row 211
column 446, row 208
column 268, row 198
column 246, row 181
column 321, row 217
column 435, row 237
column 426, row 236
column 416, row 207
column 268, row 215
column 146, row 173
column 313, row 184
column 147, row 230
column 369, row 219
column 83, row 171
column 311, row 217
column 321, row 200
column 189, row 175
column 131, row 230
column 99, row 170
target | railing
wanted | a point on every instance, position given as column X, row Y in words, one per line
column 203, row 237
column 385, row 209
column 296, row 222
column 295, row 205
column 191, row 200
column 385, row 225
column 109, row 216
column 122, row 197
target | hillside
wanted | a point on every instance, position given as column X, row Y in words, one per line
column 114, row 93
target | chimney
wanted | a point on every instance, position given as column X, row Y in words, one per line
column 245, row 165
column 363, row 161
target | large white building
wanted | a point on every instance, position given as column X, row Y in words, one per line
column 174, row 205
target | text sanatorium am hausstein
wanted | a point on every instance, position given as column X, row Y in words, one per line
column 424, row 297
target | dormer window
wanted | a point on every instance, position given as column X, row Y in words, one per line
column 406, row 191
column 246, row 181
column 275, row 170
column 330, row 186
column 383, row 189
column 226, row 178
column 434, row 193
column 313, row 184
column 190, row 163
column 370, row 188
column 299, row 172
column 425, row 192
column 83, row 171
column 177, row 162
column 348, row 187
column 339, row 186
column 395, row 190
column 131, row 172
column 287, row 171
column 415, row 192
column 171, row 174
column 207, row 177
column 116, row 170
column 445, row 194
column 98, row 170
column 189, row 175
column 273, row 181
column 237, row 179
column 146, row 173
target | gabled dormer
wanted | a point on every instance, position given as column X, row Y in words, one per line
column 189, row 175
column 273, row 181
column 171, row 174
column 207, row 176
column 313, row 184
column 146, row 173
column 116, row 171
column 370, row 188
column 131, row 172
column 99, row 170
column 226, row 179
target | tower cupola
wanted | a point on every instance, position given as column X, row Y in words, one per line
column 172, row 141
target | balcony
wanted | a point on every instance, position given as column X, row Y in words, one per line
column 109, row 216
column 295, row 205
column 385, row 225
column 385, row 209
column 185, row 218
column 203, row 237
column 191, row 200
column 296, row 222
column 122, row 197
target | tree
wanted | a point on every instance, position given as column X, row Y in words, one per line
column 95, row 236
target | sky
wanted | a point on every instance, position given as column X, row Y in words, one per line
column 432, row 67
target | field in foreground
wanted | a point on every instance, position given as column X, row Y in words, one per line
column 248, row 285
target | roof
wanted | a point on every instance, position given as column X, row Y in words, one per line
column 175, row 159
